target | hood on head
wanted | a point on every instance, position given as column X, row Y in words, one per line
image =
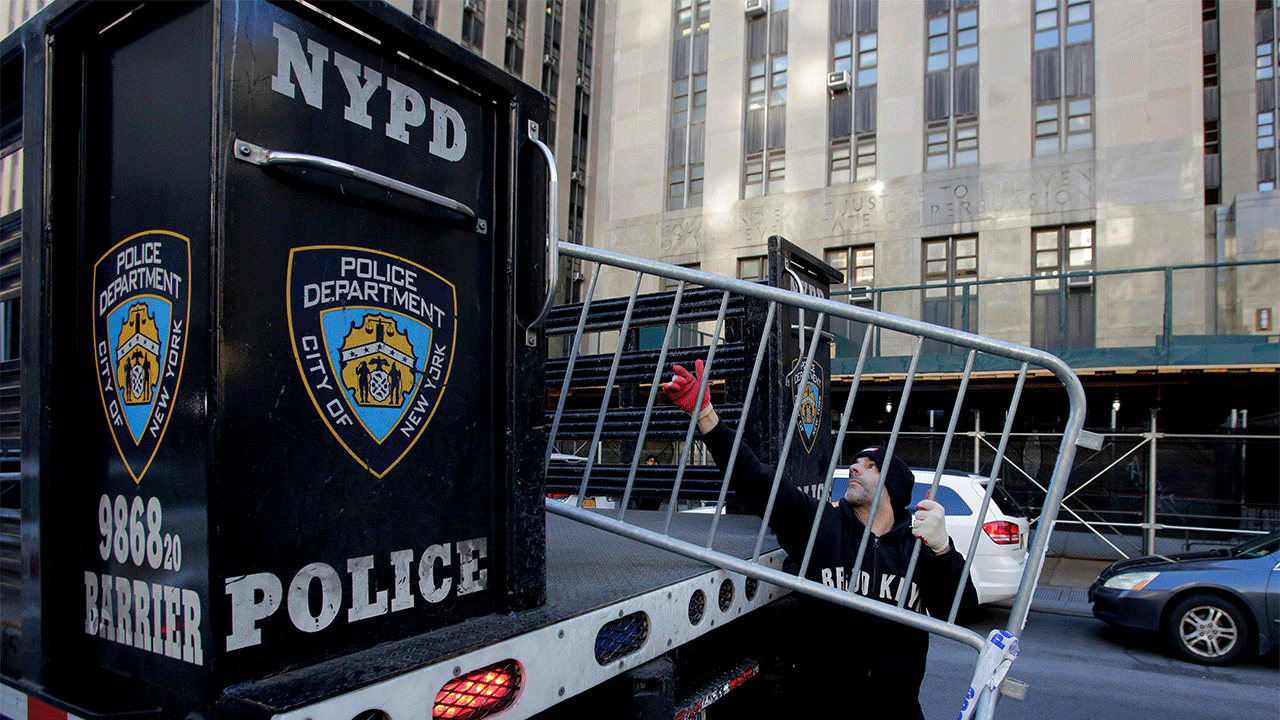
column 900, row 481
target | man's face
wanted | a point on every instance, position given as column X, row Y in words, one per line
column 863, row 477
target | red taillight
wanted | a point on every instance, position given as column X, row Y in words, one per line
column 485, row 692
column 1002, row 532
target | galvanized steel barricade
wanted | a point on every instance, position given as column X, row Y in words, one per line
column 997, row 651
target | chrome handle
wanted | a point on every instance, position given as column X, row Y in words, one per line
column 553, row 236
column 263, row 157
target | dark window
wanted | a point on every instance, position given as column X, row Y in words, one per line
column 948, row 261
column 1062, row 297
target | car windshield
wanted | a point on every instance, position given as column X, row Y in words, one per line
column 1257, row 547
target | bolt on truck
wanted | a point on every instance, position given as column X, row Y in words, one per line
column 278, row 414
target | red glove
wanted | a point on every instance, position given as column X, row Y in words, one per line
column 682, row 391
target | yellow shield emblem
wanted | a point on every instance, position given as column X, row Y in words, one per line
column 378, row 362
column 138, row 356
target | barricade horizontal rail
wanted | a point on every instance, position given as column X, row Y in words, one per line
column 600, row 378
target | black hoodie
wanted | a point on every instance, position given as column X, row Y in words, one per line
column 882, row 662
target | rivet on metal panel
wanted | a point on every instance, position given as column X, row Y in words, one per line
column 457, row 671
column 561, row 693
column 482, row 227
column 560, row 634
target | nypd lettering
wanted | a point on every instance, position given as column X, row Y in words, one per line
column 373, row 335
column 405, row 106
column 452, row 569
column 140, row 312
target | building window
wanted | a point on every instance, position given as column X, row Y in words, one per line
column 948, row 262
column 686, row 138
column 764, row 174
column 1212, row 104
column 765, row 136
column 581, row 122
column 552, row 33
column 855, row 57
column 1062, row 76
column 426, row 11
column 753, row 176
column 513, row 54
column 840, row 172
column 858, row 263
column 473, row 25
column 753, row 268
column 951, row 84
column 1267, row 58
column 1062, row 297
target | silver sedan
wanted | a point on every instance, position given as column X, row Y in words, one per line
column 1212, row 606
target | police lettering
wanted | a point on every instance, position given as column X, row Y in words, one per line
column 406, row 106
column 441, row 570
column 363, row 279
column 136, row 269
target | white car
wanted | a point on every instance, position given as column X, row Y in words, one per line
column 1002, row 545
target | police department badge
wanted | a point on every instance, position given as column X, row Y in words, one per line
column 809, row 391
column 141, row 306
column 373, row 335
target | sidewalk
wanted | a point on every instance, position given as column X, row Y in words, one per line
column 1064, row 585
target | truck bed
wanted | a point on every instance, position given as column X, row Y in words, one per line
column 587, row 569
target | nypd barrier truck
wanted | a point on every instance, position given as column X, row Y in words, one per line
column 279, row 406
column 277, row 414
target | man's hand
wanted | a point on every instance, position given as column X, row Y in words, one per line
column 682, row 391
column 930, row 525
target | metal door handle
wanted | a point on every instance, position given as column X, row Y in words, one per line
column 553, row 236
column 250, row 153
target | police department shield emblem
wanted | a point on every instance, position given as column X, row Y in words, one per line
column 141, row 306
column 373, row 335
column 809, row 392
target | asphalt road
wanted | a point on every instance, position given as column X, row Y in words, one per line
column 1081, row 669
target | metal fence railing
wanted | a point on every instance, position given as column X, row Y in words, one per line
column 1068, row 314
column 598, row 378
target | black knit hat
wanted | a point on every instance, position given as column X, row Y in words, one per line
column 900, row 480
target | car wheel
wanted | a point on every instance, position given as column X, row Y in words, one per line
column 1208, row 629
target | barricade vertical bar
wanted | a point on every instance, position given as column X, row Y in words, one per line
column 888, row 455
column 835, row 452
column 693, row 417
column 937, row 474
column 746, row 410
column 653, row 395
column 568, row 372
column 991, row 482
column 791, row 433
column 608, row 388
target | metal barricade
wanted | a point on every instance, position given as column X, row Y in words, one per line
column 997, row 650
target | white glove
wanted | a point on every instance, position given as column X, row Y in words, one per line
column 930, row 525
